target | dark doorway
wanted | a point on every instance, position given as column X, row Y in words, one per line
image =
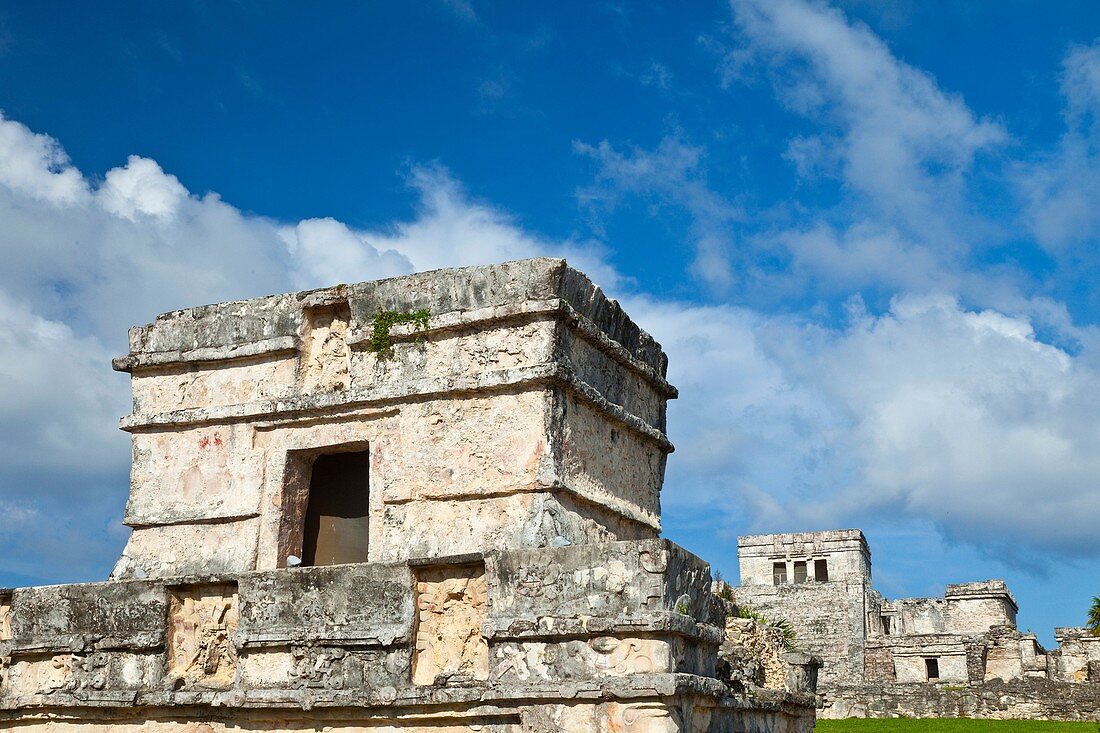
column 779, row 573
column 821, row 571
column 337, row 515
column 932, row 668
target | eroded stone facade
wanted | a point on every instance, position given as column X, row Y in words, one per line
column 959, row 655
column 495, row 478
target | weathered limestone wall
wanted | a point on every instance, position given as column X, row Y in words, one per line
column 1077, row 658
column 530, row 412
column 759, row 653
column 1009, row 655
column 915, row 616
column 974, row 608
column 828, row 620
column 611, row 637
column 488, row 494
column 949, row 652
column 1019, row 699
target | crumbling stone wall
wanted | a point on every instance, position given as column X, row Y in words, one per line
column 1077, row 656
column 755, row 653
column 827, row 618
column 601, row 638
column 1039, row 699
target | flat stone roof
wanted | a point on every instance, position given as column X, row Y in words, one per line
column 826, row 535
column 245, row 328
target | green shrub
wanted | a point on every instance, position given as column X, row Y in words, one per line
column 384, row 320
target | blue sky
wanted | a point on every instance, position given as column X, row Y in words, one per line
column 866, row 233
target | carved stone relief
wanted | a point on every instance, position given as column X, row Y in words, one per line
column 325, row 355
column 639, row 717
column 602, row 656
column 627, row 656
column 48, row 677
column 201, row 622
column 539, row 579
column 329, row 668
column 80, row 674
column 451, row 604
column 77, row 674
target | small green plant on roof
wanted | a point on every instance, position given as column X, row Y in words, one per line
column 780, row 626
column 1093, row 623
column 384, row 320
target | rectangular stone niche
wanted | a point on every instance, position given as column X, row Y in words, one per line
column 325, row 357
column 451, row 602
column 201, row 622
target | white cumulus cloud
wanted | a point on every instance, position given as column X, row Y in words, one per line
column 141, row 187
column 36, row 166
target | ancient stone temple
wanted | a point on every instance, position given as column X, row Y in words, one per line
column 429, row 503
column 959, row 655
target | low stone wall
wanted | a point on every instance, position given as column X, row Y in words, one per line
column 1038, row 699
column 619, row 636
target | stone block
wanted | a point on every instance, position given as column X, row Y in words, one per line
column 87, row 616
column 359, row 603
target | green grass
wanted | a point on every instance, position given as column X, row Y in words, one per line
column 951, row 725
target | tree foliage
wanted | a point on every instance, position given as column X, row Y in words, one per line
column 1094, row 616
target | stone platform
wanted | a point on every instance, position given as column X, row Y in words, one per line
column 620, row 636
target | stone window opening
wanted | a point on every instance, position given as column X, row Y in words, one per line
column 821, row 571
column 800, row 571
column 885, row 625
column 326, row 507
column 779, row 573
column 932, row 668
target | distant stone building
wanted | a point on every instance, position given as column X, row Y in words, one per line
column 429, row 504
column 956, row 655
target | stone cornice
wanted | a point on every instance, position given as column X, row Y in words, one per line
column 306, row 406
column 359, row 337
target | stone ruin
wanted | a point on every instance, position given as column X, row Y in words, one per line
column 956, row 656
column 447, row 525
